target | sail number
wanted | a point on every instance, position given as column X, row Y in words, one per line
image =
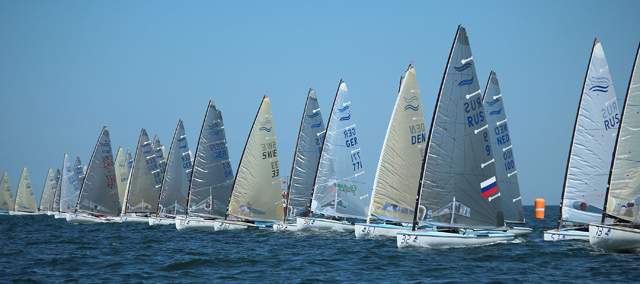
column 111, row 180
column 355, row 161
column 509, row 164
column 275, row 169
column 186, row 161
column 107, row 161
column 350, row 136
column 228, row 172
column 269, row 150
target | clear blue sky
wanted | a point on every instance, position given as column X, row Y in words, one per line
column 69, row 67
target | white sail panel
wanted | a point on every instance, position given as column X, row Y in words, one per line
column 305, row 160
column 122, row 175
column 592, row 146
column 212, row 177
column 398, row 173
column 340, row 187
column 175, row 184
column 145, row 180
column 69, row 188
column 6, row 194
column 506, row 174
column 456, row 189
column 256, row 193
column 56, row 198
column 48, row 192
column 99, row 193
column 25, row 201
column 158, row 149
column 79, row 170
column 129, row 161
column 625, row 175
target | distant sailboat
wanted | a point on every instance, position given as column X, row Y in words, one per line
column 305, row 164
column 122, row 176
column 7, row 202
column 56, row 198
column 398, row 173
column 619, row 230
column 48, row 193
column 158, row 149
column 175, row 183
column 144, row 183
column 340, row 189
column 129, row 161
column 98, row 201
column 25, row 201
column 212, row 176
column 256, row 194
column 506, row 174
column 79, row 170
column 458, row 192
column 591, row 152
column 69, row 188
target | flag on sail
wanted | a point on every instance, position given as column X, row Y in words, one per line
column 489, row 187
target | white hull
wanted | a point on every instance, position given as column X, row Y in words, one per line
column 614, row 238
column 136, row 219
column 161, row 221
column 230, row 225
column 305, row 223
column 86, row 219
column 285, row 227
column 519, row 231
column 51, row 213
column 378, row 230
column 435, row 239
column 195, row 224
column 18, row 213
column 565, row 234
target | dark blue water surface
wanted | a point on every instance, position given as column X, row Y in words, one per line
column 44, row 249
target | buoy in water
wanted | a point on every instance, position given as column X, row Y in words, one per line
column 539, row 208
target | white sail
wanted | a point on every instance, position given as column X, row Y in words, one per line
column 122, row 175
column 56, row 198
column 624, row 192
column 305, row 160
column 25, row 201
column 175, row 184
column 256, row 193
column 129, row 161
column 212, row 179
column 79, row 170
column 340, row 187
column 69, row 188
column 158, row 149
column 592, row 145
column 398, row 173
column 506, row 174
column 145, row 180
column 99, row 193
column 48, row 192
column 458, row 187
column 7, row 202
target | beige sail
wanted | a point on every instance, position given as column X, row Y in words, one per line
column 6, row 194
column 25, row 201
column 256, row 193
column 122, row 175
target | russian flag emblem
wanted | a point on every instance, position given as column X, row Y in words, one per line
column 489, row 187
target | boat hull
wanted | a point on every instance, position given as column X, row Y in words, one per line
column 135, row 219
column 435, row 239
column 519, row 231
column 86, row 219
column 230, row 225
column 614, row 238
column 195, row 224
column 291, row 227
column 161, row 221
column 378, row 230
column 565, row 234
column 305, row 223
column 20, row 213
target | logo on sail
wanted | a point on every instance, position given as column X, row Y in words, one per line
column 463, row 67
column 313, row 115
column 214, row 132
column 146, row 152
column 265, row 122
column 411, row 107
column 410, row 100
column 344, row 187
column 316, row 125
column 489, row 187
column 466, row 82
column 496, row 112
column 265, row 129
column 182, row 147
column 491, row 103
column 343, row 109
column 601, row 84
column 346, row 117
column 214, row 125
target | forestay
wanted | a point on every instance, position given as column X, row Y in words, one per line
column 145, row 180
column 175, row 184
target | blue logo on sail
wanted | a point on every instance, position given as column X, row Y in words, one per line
column 265, row 129
column 410, row 100
column 463, row 67
column 343, row 109
column 316, row 125
column 496, row 112
column 601, row 84
column 411, row 107
column 214, row 132
column 491, row 103
column 345, row 118
column 466, row 82
column 265, row 122
column 214, row 125
column 146, row 152
column 182, row 147
column 313, row 115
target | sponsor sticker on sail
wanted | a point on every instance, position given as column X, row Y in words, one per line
column 489, row 187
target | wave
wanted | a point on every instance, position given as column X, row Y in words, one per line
column 496, row 112
column 313, row 115
column 466, row 82
column 600, row 80
column 345, row 118
column 343, row 109
column 411, row 99
column 265, row 129
column 463, row 67
column 412, row 107
column 182, row 147
column 265, row 122
column 316, row 125
column 214, row 125
column 599, row 88
column 146, row 152
column 215, row 132
column 491, row 103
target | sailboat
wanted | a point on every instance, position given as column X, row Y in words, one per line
column 340, row 189
column 591, row 153
column 398, row 173
column 212, row 176
column 305, row 164
column 506, row 174
column 25, row 201
column 79, row 170
column 122, row 176
column 7, row 202
column 256, row 195
column 69, row 189
column 98, row 200
column 48, row 193
column 458, row 192
column 158, row 149
column 175, row 183
column 144, row 183
column 619, row 230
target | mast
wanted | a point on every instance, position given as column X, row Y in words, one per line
column 615, row 148
column 433, row 120
column 573, row 136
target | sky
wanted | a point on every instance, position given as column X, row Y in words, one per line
column 67, row 68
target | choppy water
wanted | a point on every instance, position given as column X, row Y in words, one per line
column 44, row 249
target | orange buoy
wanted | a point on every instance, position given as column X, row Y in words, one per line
column 539, row 208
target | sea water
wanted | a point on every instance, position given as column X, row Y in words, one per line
column 43, row 249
